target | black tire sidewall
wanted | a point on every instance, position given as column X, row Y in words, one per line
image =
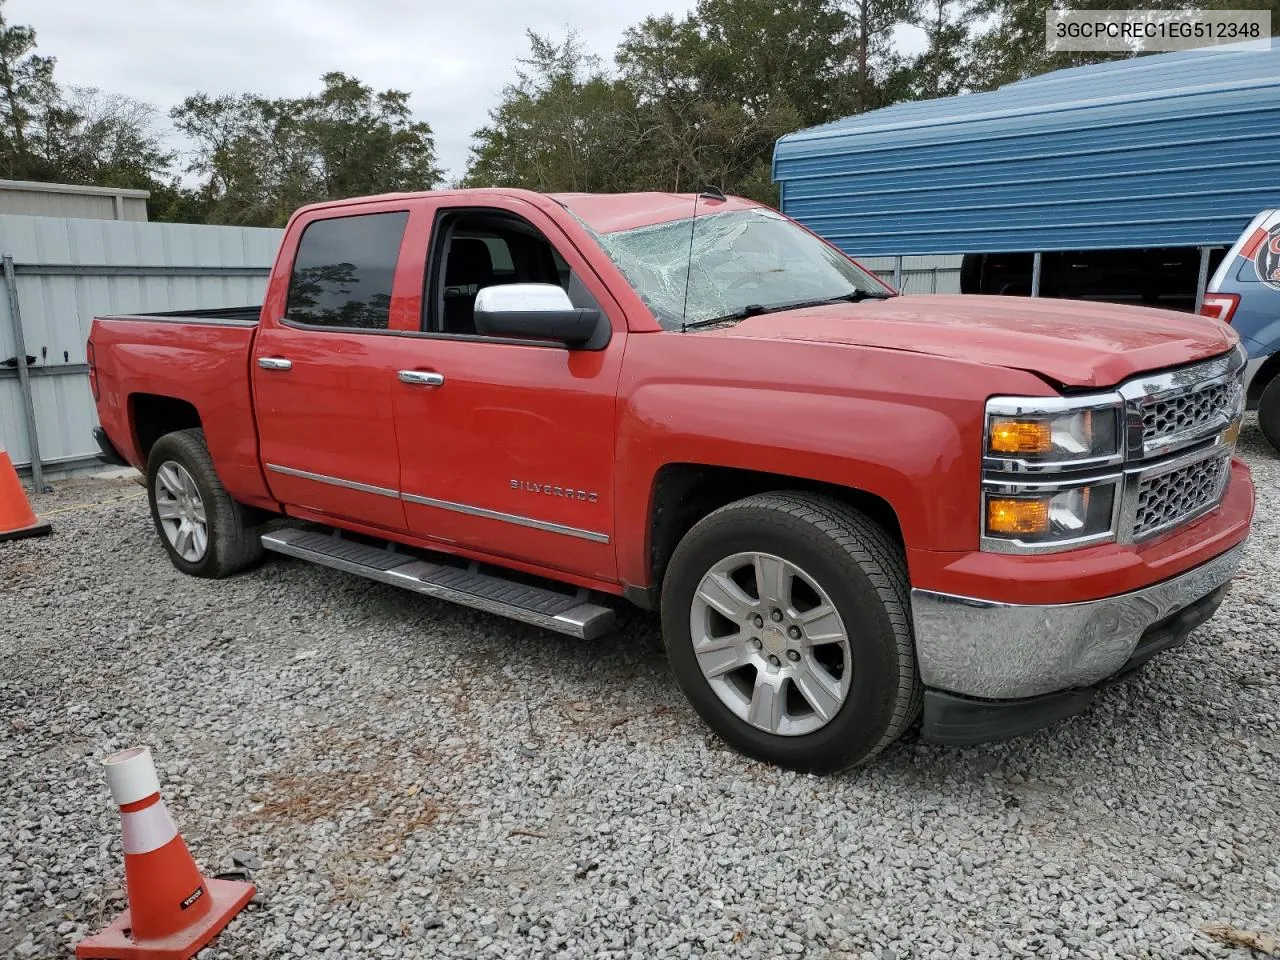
column 176, row 447
column 1269, row 413
column 860, row 725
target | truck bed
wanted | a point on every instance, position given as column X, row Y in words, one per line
column 221, row 315
column 185, row 368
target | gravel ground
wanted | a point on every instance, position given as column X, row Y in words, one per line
column 421, row 780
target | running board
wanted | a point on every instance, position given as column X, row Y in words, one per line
column 569, row 614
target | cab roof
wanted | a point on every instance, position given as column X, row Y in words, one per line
column 602, row 212
column 611, row 212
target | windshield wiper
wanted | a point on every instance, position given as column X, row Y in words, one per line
column 853, row 296
column 755, row 309
column 750, row 310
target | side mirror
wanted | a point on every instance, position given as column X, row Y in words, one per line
column 538, row 311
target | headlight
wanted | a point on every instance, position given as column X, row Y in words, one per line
column 1020, row 431
column 1017, row 517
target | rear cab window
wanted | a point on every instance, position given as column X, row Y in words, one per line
column 344, row 270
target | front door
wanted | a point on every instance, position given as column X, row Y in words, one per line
column 508, row 446
column 324, row 372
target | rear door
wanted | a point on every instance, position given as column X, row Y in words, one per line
column 324, row 367
column 508, row 446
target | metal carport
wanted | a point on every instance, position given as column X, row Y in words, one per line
column 1171, row 150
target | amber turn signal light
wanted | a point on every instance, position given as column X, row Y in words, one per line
column 1021, row 436
column 1017, row 516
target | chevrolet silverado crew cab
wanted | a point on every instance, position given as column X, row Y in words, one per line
column 850, row 507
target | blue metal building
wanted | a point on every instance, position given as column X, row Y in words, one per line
column 1171, row 150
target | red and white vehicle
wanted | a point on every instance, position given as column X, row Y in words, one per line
column 845, row 503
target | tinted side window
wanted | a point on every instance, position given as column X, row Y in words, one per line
column 343, row 271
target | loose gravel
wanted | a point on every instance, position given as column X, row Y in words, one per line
column 418, row 780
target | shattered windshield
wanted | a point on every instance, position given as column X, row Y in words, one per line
column 743, row 262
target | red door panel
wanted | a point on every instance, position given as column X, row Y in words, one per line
column 513, row 453
column 323, row 380
column 329, row 415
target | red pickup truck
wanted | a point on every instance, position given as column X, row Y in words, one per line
column 851, row 507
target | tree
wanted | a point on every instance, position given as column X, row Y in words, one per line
column 1013, row 48
column 718, row 87
column 103, row 138
column 362, row 142
column 27, row 93
column 943, row 69
column 871, row 24
column 563, row 125
column 260, row 159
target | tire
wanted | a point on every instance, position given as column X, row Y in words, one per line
column 231, row 542
column 1269, row 413
column 861, row 570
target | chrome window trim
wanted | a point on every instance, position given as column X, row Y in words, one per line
column 466, row 508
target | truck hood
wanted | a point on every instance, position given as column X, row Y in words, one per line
column 1071, row 342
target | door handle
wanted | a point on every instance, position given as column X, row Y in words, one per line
column 274, row 363
column 421, row 378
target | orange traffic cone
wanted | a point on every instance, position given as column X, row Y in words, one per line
column 173, row 910
column 17, row 519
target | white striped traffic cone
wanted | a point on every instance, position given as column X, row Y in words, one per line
column 17, row 519
column 173, row 910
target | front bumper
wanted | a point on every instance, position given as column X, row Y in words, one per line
column 987, row 651
column 961, row 721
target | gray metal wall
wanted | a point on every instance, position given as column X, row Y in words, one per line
column 66, row 271
column 939, row 274
column 69, row 200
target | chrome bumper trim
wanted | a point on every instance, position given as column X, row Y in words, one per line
column 1003, row 651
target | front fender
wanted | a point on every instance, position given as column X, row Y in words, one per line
column 917, row 449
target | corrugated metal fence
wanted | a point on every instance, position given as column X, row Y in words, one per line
column 939, row 274
column 60, row 273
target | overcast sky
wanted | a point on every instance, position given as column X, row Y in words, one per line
column 453, row 56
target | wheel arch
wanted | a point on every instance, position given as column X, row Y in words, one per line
column 1267, row 371
column 151, row 416
column 684, row 493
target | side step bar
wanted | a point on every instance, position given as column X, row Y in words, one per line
column 573, row 615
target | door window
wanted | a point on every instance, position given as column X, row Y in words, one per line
column 475, row 249
column 344, row 269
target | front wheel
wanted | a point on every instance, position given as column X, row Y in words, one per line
column 204, row 531
column 785, row 617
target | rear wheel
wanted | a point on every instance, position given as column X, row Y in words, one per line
column 204, row 531
column 1269, row 412
column 786, row 620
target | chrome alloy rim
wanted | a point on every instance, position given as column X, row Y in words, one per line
column 771, row 644
column 181, row 511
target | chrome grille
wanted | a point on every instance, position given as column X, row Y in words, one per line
column 1171, row 498
column 1190, row 412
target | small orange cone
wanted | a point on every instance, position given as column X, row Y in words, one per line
column 173, row 910
column 17, row 519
